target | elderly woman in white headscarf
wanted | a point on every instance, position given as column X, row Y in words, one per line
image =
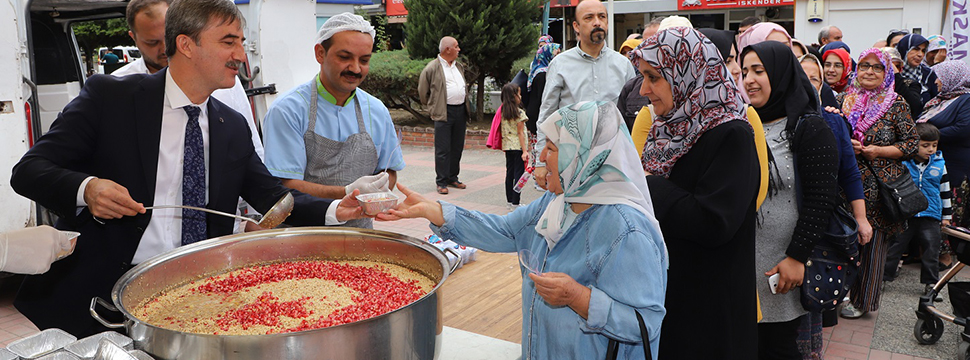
column 600, row 256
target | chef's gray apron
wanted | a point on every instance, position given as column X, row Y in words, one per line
column 339, row 163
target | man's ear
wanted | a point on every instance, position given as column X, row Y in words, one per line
column 184, row 44
column 320, row 53
column 132, row 35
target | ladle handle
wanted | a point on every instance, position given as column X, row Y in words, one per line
column 202, row 209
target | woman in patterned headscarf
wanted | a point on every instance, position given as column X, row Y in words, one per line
column 935, row 51
column 883, row 133
column 599, row 248
column 950, row 112
column 704, row 177
column 912, row 47
column 537, row 82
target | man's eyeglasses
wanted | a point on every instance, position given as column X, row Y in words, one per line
column 876, row 68
column 836, row 65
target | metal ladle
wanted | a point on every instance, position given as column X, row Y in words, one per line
column 273, row 218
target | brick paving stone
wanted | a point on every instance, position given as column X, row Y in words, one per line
column 840, row 334
column 861, row 339
column 879, row 355
column 847, row 351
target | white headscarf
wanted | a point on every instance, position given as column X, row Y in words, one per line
column 344, row 22
column 598, row 164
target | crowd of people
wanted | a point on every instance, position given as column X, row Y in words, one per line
column 749, row 141
column 690, row 165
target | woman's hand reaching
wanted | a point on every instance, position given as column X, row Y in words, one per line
column 414, row 206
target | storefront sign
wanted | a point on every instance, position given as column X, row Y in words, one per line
column 395, row 8
column 724, row 4
column 563, row 3
column 956, row 30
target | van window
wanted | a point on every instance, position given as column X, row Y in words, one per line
column 134, row 53
column 54, row 58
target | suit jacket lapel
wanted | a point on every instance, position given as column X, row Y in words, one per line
column 149, row 104
column 218, row 148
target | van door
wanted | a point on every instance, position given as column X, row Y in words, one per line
column 15, row 210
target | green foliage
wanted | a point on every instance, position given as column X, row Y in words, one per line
column 525, row 63
column 98, row 33
column 393, row 78
column 382, row 40
column 94, row 34
column 492, row 34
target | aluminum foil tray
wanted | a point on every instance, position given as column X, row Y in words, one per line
column 40, row 344
column 59, row 355
column 87, row 347
column 107, row 350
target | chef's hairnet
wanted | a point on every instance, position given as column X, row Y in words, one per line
column 344, row 22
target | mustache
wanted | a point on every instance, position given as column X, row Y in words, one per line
column 351, row 73
column 234, row 64
column 598, row 29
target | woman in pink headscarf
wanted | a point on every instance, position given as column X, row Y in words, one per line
column 763, row 32
column 883, row 133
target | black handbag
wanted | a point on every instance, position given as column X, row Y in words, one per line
column 613, row 348
column 833, row 265
column 900, row 198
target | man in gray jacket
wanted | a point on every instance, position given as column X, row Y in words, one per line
column 588, row 72
column 442, row 89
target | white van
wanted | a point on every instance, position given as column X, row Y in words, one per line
column 43, row 71
column 125, row 54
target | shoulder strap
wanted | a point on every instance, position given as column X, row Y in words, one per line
column 613, row 348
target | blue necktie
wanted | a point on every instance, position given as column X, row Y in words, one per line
column 193, row 179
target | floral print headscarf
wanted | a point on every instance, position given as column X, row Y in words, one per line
column 864, row 107
column 597, row 164
column 704, row 94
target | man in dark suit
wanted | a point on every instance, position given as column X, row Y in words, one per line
column 167, row 142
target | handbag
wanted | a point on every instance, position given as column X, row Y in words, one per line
column 494, row 140
column 900, row 198
column 833, row 265
column 613, row 348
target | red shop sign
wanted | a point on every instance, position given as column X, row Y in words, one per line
column 395, row 7
column 724, row 4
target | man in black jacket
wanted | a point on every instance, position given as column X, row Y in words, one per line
column 177, row 146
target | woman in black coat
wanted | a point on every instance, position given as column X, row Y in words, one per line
column 704, row 173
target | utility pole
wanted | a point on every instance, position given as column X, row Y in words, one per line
column 545, row 17
column 609, row 30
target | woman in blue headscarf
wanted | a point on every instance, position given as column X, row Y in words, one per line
column 537, row 82
column 599, row 250
column 912, row 47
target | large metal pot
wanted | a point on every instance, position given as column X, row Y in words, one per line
column 411, row 332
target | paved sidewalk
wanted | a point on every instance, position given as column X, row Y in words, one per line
column 886, row 334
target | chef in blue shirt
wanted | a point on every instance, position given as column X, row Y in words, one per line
column 326, row 137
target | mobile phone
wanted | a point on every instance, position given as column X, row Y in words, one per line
column 773, row 283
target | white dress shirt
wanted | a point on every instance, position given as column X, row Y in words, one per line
column 164, row 230
column 235, row 98
column 454, row 82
